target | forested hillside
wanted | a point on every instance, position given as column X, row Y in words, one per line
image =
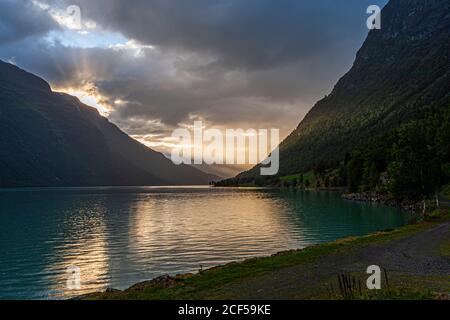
column 387, row 118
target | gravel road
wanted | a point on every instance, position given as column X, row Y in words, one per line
column 410, row 261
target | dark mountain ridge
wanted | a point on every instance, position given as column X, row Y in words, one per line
column 401, row 71
column 52, row 139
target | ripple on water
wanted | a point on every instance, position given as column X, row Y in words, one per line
column 120, row 236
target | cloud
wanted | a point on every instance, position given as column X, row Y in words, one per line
column 20, row 19
column 162, row 63
column 245, row 34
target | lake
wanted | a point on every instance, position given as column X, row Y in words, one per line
column 120, row 236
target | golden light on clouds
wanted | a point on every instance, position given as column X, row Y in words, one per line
column 88, row 94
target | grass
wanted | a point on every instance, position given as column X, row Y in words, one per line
column 201, row 285
column 445, row 249
column 351, row 287
column 191, row 286
column 438, row 214
column 446, row 191
column 401, row 294
column 306, row 176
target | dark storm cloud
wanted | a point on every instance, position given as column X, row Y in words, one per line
column 153, row 89
column 235, row 63
column 246, row 34
column 20, row 19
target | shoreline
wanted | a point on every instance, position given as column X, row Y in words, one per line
column 209, row 283
column 372, row 197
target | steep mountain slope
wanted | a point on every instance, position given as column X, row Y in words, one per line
column 52, row 139
column 400, row 71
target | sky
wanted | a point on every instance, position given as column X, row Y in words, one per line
column 152, row 66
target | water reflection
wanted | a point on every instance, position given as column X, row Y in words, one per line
column 121, row 236
column 84, row 247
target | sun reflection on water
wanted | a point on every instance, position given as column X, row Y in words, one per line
column 120, row 236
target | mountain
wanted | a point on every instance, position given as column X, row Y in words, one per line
column 400, row 72
column 52, row 139
column 224, row 171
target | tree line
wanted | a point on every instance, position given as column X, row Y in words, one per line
column 409, row 163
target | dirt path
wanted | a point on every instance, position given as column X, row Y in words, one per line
column 414, row 261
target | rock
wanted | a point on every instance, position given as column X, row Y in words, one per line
column 165, row 281
column 382, row 199
column 443, row 296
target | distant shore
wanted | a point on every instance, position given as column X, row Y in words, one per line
column 358, row 197
column 382, row 199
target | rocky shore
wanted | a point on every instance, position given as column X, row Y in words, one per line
column 382, row 199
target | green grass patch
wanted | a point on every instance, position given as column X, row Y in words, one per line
column 445, row 249
column 398, row 294
column 438, row 214
column 295, row 177
column 446, row 191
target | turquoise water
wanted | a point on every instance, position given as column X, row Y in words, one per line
column 120, row 236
